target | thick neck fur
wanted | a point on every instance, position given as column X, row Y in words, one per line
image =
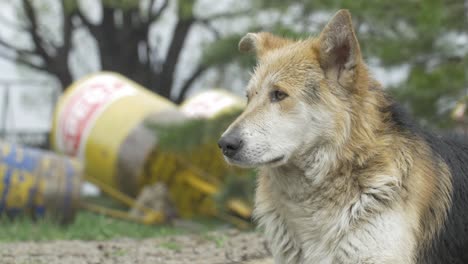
column 350, row 169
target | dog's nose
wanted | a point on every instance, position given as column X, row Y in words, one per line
column 230, row 144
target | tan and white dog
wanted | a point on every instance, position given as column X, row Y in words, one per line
column 345, row 176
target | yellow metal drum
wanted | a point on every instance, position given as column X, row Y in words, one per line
column 38, row 183
column 96, row 115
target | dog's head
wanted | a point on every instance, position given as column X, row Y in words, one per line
column 297, row 96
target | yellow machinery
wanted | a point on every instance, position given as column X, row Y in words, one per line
column 108, row 121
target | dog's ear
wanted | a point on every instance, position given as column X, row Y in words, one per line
column 261, row 43
column 339, row 48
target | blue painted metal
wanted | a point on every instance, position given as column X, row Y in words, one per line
column 37, row 183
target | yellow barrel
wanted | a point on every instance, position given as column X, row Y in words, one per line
column 96, row 116
column 38, row 183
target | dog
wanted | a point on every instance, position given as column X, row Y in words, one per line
column 345, row 175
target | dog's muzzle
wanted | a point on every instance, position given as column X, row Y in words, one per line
column 230, row 144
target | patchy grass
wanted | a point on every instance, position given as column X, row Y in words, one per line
column 219, row 240
column 90, row 226
column 120, row 252
column 171, row 245
column 87, row 226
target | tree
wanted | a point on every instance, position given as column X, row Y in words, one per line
column 122, row 36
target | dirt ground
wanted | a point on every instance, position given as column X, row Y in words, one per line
column 220, row 247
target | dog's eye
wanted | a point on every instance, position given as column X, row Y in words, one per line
column 277, row 95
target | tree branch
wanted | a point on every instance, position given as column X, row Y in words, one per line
column 150, row 8
column 149, row 54
column 83, row 19
column 188, row 83
column 211, row 28
column 67, row 29
column 11, row 47
column 23, row 61
column 206, row 21
column 179, row 36
column 11, row 24
column 33, row 30
column 91, row 27
column 231, row 14
column 155, row 16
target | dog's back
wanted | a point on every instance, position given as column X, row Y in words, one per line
column 450, row 245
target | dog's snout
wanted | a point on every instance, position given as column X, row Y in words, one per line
column 230, row 144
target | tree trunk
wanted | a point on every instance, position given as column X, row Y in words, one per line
column 119, row 44
column 166, row 80
column 64, row 77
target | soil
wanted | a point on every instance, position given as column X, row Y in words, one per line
column 220, row 247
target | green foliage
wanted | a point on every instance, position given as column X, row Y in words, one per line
column 426, row 88
column 287, row 32
column 224, row 51
column 121, row 4
column 185, row 8
column 415, row 33
column 70, row 6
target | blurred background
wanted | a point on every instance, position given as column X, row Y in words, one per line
column 417, row 49
column 170, row 51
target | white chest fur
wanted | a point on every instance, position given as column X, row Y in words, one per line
column 308, row 225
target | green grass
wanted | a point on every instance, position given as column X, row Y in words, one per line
column 90, row 226
column 87, row 226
